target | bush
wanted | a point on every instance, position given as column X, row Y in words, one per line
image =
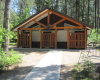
column 85, row 70
column 1, row 67
column 6, row 61
column 94, row 36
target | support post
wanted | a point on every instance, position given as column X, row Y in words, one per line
column 68, row 36
column 48, row 18
column 30, row 38
column 17, row 38
column 23, row 31
column 40, row 38
column 55, row 38
column 85, row 31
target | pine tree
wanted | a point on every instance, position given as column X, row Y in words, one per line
column 6, row 24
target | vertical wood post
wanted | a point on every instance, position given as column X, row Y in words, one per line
column 50, row 40
column 23, row 32
column 48, row 18
column 22, row 38
column 17, row 38
column 40, row 38
column 85, row 31
column 75, row 40
column 30, row 39
column 55, row 38
column 68, row 36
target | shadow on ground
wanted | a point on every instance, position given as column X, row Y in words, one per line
column 16, row 73
column 27, row 51
column 66, row 72
column 21, row 73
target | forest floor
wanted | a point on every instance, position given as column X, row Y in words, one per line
column 32, row 57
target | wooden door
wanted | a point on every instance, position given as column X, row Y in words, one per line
column 24, row 40
column 48, row 40
column 77, row 40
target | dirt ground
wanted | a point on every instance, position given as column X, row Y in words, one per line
column 32, row 57
column 72, row 57
column 69, row 58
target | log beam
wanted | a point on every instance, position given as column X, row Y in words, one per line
column 58, row 22
column 33, row 19
column 65, row 18
column 74, row 27
column 40, row 23
column 31, row 28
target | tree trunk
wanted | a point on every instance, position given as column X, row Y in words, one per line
column 83, row 11
column 66, row 6
column 99, row 15
column 6, row 24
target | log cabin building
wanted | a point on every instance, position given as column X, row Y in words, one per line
column 52, row 29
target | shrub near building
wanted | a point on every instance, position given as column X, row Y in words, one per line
column 6, row 61
column 86, row 70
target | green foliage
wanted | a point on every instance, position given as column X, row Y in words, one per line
column 13, row 58
column 1, row 67
column 85, row 70
column 4, row 33
column 13, row 44
column 6, row 61
column 83, row 10
column 94, row 36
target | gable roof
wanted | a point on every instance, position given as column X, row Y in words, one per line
column 29, row 20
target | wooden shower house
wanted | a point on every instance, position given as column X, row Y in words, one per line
column 52, row 29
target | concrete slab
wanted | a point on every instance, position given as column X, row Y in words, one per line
column 44, row 49
column 48, row 68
